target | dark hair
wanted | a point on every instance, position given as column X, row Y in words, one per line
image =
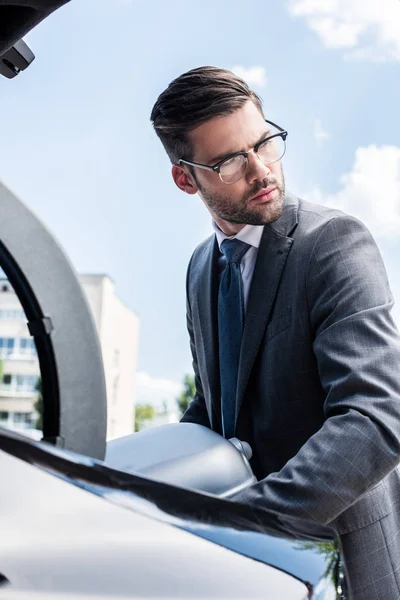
column 192, row 99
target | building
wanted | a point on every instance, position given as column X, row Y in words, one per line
column 118, row 330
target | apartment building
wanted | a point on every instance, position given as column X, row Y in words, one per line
column 118, row 330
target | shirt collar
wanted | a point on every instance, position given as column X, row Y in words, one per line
column 251, row 234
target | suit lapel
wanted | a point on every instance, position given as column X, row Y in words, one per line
column 272, row 255
column 207, row 290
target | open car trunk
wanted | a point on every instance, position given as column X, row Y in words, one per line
column 17, row 18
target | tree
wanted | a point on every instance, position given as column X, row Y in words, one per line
column 331, row 553
column 38, row 406
column 143, row 412
column 187, row 394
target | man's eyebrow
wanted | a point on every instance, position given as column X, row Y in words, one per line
column 220, row 157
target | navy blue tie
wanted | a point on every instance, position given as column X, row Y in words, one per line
column 230, row 329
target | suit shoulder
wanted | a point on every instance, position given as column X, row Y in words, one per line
column 199, row 255
column 314, row 218
column 202, row 249
column 318, row 212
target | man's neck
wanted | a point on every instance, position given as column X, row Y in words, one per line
column 229, row 229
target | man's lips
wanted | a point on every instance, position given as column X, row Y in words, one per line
column 263, row 196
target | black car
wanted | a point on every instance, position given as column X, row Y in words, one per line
column 146, row 516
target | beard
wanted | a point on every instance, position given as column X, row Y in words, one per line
column 239, row 212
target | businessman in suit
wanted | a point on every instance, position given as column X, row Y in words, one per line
column 289, row 315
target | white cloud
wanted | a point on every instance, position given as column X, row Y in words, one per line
column 319, row 132
column 367, row 29
column 252, row 75
column 371, row 190
column 155, row 390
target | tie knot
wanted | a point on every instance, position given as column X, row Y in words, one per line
column 234, row 250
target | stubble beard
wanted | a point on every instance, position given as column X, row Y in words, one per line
column 239, row 212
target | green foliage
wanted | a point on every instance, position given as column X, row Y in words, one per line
column 331, row 552
column 146, row 412
column 187, row 394
column 38, row 406
column 143, row 412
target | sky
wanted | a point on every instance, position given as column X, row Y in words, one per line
column 78, row 148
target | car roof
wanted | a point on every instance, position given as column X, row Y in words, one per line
column 18, row 17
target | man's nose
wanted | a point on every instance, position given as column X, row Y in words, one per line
column 256, row 168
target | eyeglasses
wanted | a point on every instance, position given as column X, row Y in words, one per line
column 234, row 167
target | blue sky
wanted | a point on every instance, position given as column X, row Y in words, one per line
column 78, row 147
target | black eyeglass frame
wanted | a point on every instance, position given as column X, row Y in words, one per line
column 216, row 168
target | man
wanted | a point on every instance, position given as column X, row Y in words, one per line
column 294, row 347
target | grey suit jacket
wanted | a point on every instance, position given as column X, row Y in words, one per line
column 318, row 395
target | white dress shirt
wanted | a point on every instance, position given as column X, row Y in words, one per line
column 251, row 234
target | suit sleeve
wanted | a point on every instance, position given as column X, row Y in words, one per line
column 197, row 410
column 357, row 349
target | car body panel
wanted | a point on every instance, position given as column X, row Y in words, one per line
column 60, row 320
column 162, row 525
column 64, row 539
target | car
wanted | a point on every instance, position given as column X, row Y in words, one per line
column 16, row 20
column 148, row 515
column 74, row 527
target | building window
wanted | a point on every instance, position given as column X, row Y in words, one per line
column 25, row 419
column 12, row 315
column 115, row 390
column 17, row 346
column 19, row 383
column 6, row 346
column 27, row 347
column 25, row 383
column 3, row 415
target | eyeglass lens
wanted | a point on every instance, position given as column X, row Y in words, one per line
column 269, row 152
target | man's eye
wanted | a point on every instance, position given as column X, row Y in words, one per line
column 232, row 162
column 266, row 143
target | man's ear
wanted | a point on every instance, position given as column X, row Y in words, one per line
column 184, row 180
